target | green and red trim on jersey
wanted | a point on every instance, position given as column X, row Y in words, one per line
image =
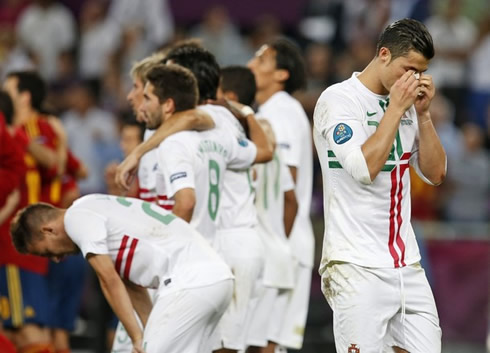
column 129, row 257
column 396, row 219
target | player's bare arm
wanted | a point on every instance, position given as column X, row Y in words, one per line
column 377, row 148
column 43, row 155
column 265, row 149
column 194, row 119
column 117, row 296
column 432, row 158
column 290, row 210
column 185, row 201
column 62, row 147
column 141, row 300
column 10, row 205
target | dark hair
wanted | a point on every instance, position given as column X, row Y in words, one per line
column 24, row 226
column 31, row 82
column 128, row 119
column 289, row 58
column 203, row 65
column 404, row 35
column 6, row 107
column 241, row 81
column 176, row 82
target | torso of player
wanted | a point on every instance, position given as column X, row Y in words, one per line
column 237, row 209
column 365, row 224
column 273, row 179
column 293, row 135
column 41, row 184
column 149, row 246
column 198, row 162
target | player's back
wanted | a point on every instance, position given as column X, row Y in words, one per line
column 237, row 209
column 147, row 243
column 198, row 160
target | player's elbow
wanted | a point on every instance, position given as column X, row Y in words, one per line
column 185, row 201
column 264, row 154
column 438, row 178
column 355, row 164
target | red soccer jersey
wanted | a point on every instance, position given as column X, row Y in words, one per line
column 13, row 175
column 43, row 184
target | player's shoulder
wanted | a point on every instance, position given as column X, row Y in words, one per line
column 180, row 138
column 339, row 91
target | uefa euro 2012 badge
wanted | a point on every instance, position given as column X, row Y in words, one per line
column 342, row 133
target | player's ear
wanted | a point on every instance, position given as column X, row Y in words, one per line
column 281, row 75
column 168, row 106
column 230, row 95
column 384, row 55
column 47, row 229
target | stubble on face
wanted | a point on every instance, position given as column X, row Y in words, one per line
column 151, row 109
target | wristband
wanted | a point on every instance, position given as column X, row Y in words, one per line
column 246, row 110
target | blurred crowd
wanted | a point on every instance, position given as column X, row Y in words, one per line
column 84, row 50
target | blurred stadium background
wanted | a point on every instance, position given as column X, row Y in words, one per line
column 85, row 48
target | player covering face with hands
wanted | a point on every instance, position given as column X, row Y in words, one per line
column 369, row 130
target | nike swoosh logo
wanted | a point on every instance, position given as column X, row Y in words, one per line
column 371, row 114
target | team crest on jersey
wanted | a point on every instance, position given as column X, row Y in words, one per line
column 353, row 349
column 243, row 142
column 341, row 134
column 178, row 175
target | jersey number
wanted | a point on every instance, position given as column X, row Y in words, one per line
column 213, row 197
column 146, row 207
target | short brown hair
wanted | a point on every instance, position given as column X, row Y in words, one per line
column 176, row 82
column 25, row 225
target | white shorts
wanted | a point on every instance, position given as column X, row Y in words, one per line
column 185, row 320
column 242, row 250
column 294, row 321
column 376, row 309
column 268, row 317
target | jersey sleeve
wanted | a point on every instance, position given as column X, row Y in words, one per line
column 88, row 231
column 287, row 182
column 339, row 122
column 175, row 163
column 242, row 153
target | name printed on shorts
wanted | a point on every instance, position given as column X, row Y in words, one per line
column 178, row 175
column 342, row 133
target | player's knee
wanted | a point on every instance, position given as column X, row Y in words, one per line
column 399, row 350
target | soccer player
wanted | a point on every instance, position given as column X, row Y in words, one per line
column 23, row 280
column 276, row 210
column 279, row 71
column 133, row 245
column 369, row 129
column 47, row 160
column 204, row 191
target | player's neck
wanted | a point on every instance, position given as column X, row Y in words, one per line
column 369, row 77
column 263, row 95
column 24, row 114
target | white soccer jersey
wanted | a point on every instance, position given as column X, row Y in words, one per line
column 237, row 209
column 149, row 246
column 147, row 173
column 198, row 160
column 273, row 179
column 293, row 135
column 368, row 225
